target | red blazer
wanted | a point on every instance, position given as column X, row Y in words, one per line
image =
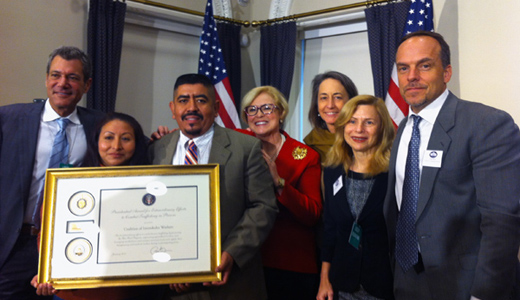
column 291, row 245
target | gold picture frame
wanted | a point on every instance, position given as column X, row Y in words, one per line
column 130, row 225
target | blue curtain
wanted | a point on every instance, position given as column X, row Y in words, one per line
column 105, row 40
column 229, row 37
column 277, row 53
column 385, row 30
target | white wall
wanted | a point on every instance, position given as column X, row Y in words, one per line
column 480, row 33
column 151, row 60
column 484, row 44
column 345, row 53
column 29, row 31
column 490, row 53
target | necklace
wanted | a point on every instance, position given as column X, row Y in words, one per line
column 273, row 158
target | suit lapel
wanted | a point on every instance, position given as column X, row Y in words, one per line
column 87, row 121
column 341, row 195
column 390, row 206
column 219, row 153
column 164, row 149
column 439, row 140
column 374, row 200
column 171, row 148
column 393, row 157
column 30, row 126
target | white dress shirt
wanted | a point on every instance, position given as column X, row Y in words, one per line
column 46, row 134
column 429, row 115
column 202, row 142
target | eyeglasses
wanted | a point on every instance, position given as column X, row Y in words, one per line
column 266, row 109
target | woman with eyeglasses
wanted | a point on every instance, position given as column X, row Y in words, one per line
column 289, row 253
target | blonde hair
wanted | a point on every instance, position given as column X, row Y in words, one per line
column 341, row 152
column 279, row 100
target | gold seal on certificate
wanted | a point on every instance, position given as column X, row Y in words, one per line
column 130, row 226
column 81, row 203
column 78, row 250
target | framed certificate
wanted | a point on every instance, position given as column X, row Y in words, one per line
column 133, row 225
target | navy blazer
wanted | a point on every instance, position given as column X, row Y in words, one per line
column 370, row 265
column 19, row 127
column 468, row 211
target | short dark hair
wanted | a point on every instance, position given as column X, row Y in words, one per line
column 70, row 53
column 445, row 48
column 141, row 141
column 350, row 87
column 195, row 79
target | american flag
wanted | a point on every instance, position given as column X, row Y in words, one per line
column 211, row 64
column 420, row 17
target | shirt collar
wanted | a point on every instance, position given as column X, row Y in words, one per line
column 49, row 114
column 183, row 139
column 431, row 111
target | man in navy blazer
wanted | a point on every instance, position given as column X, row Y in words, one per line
column 467, row 221
column 26, row 136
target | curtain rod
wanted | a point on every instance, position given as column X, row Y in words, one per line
column 269, row 21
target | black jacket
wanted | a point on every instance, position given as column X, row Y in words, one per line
column 370, row 265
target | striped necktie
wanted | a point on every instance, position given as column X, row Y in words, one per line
column 60, row 147
column 191, row 154
column 59, row 155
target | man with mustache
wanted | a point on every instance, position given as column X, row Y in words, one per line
column 453, row 202
column 27, row 134
column 247, row 201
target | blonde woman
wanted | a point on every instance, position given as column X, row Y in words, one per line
column 289, row 253
column 355, row 259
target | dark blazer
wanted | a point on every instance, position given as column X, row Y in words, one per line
column 19, row 126
column 349, row 267
column 468, row 212
column 247, row 205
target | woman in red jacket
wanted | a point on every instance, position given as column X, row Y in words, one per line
column 289, row 253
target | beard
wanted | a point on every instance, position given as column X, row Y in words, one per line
column 189, row 129
column 193, row 132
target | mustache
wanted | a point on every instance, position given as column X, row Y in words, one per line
column 415, row 85
column 193, row 113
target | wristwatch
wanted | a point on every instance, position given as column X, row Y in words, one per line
column 281, row 183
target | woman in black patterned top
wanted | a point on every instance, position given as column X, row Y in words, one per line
column 355, row 256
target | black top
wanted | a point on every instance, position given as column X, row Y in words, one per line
column 369, row 265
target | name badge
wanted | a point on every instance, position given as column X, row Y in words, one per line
column 432, row 158
column 337, row 185
column 355, row 235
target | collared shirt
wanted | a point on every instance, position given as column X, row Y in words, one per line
column 429, row 115
column 203, row 143
column 46, row 134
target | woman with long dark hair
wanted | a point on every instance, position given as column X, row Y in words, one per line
column 117, row 141
column 330, row 91
column 107, row 147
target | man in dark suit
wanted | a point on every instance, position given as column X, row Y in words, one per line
column 27, row 133
column 463, row 238
column 247, row 201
